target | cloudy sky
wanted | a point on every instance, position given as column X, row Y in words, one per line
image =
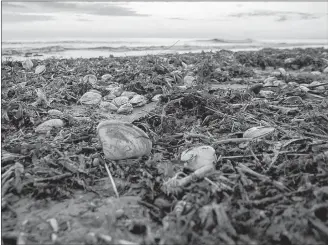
column 93, row 20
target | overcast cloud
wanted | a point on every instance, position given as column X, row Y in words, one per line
column 87, row 20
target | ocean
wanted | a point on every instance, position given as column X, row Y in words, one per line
column 89, row 48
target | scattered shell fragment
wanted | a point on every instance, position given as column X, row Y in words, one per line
column 121, row 140
column 55, row 113
column 109, row 97
column 315, row 83
column 119, row 101
column 106, row 77
column 40, row 69
column 107, row 106
column 48, row 125
column 282, row 72
column 266, row 93
column 27, row 64
column 316, row 73
column 128, row 94
column 199, row 157
column 189, row 81
column 138, row 100
column 125, row 109
column 258, row 132
column 157, row 97
column 90, row 98
column 92, row 79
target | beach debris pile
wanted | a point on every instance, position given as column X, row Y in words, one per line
column 207, row 164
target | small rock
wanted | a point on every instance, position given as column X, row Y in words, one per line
column 256, row 88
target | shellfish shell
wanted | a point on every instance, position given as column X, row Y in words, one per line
column 27, row 64
column 138, row 100
column 48, row 125
column 258, row 132
column 122, row 140
column 91, row 98
column 40, row 69
column 125, row 109
column 107, row 106
column 92, row 79
column 119, row 101
column 128, row 94
column 55, row 113
column 199, row 157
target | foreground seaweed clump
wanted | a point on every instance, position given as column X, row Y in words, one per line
column 265, row 190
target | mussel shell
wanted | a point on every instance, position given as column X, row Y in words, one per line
column 90, row 98
column 258, row 132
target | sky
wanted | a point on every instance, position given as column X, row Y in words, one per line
column 100, row 20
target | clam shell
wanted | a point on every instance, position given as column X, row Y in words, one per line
column 48, row 125
column 119, row 101
column 55, row 113
column 304, row 88
column 90, row 98
column 117, row 91
column 106, row 77
column 107, row 106
column 92, row 79
column 266, row 94
column 156, row 97
column 40, row 69
column 125, row 109
column 282, row 71
column 138, row 100
column 189, row 81
column 199, row 157
column 269, row 81
column 109, row 97
column 27, row 64
column 128, row 94
column 258, row 132
column 121, row 140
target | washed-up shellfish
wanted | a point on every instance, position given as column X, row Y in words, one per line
column 91, row 98
column 119, row 101
column 266, row 94
column 199, row 157
column 107, row 106
column 27, row 64
column 48, row 125
column 121, row 140
column 157, row 97
column 125, row 109
column 189, row 81
column 92, row 79
column 106, row 77
column 109, row 97
column 258, row 132
column 138, row 100
column 40, row 69
column 269, row 81
column 282, row 72
column 55, row 113
column 128, row 94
